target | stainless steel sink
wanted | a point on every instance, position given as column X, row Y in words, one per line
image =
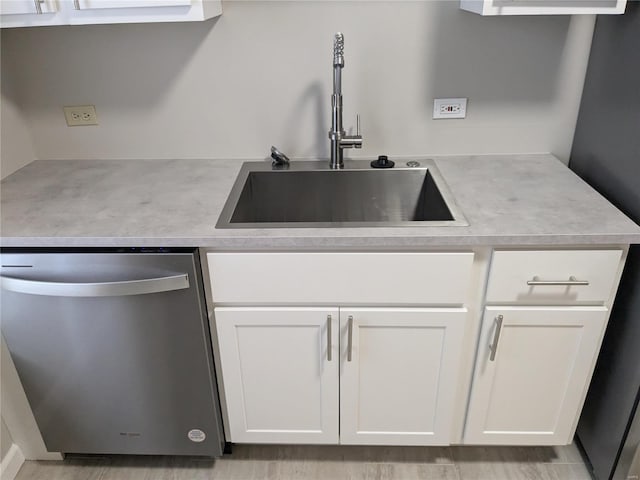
column 309, row 194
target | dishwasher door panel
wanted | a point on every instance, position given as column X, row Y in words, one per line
column 125, row 373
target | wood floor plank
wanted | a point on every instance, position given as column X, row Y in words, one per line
column 568, row 471
column 502, row 463
column 411, row 471
column 297, row 462
column 330, row 470
column 567, row 454
column 74, row 469
column 466, row 454
column 158, row 468
column 503, row 471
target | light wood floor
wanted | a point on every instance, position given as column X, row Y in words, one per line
column 261, row 462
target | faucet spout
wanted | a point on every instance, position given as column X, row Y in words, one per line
column 339, row 139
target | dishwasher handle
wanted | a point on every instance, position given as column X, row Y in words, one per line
column 102, row 289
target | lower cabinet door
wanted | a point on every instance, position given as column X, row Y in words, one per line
column 280, row 369
column 399, row 374
column 533, row 368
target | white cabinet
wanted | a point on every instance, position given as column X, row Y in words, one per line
column 399, row 373
column 396, row 371
column 405, row 348
column 143, row 11
column 539, row 342
column 31, row 13
column 533, row 368
column 110, row 4
column 544, row 7
column 397, row 368
column 27, row 7
column 281, row 373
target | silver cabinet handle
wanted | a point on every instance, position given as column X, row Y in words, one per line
column 328, row 338
column 350, row 338
column 76, row 4
column 103, row 289
column 38, row 6
column 572, row 281
column 496, row 338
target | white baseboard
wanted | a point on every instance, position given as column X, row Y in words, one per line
column 11, row 463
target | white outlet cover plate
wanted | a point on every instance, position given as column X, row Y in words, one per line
column 79, row 115
column 449, row 108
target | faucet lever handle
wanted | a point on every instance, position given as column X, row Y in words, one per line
column 357, row 140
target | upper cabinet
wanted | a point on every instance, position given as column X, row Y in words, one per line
column 32, row 13
column 27, row 7
column 543, row 7
column 143, row 11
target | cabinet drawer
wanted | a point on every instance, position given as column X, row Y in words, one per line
column 554, row 277
column 341, row 278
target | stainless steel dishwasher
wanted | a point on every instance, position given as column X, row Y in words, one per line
column 113, row 350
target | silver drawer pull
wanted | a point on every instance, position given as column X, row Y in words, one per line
column 571, row 282
column 350, row 338
column 496, row 338
column 328, row 338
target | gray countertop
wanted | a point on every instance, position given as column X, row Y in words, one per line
column 523, row 200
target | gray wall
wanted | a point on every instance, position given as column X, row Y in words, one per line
column 261, row 74
column 16, row 145
column 5, row 439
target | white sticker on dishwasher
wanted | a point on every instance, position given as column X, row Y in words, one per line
column 196, row 435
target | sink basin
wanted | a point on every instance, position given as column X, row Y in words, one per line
column 309, row 194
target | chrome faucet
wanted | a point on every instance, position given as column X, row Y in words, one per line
column 337, row 135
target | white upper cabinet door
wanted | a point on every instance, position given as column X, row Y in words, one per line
column 33, row 13
column 29, row 7
column 23, row 13
column 142, row 11
column 88, row 4
column 399, row 375
column 532, row 372
column 544, row 7
column 280, row 373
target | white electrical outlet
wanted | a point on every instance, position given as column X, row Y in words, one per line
column 449, row 108
column 81, row 115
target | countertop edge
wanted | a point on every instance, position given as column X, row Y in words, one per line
column 240, row 243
